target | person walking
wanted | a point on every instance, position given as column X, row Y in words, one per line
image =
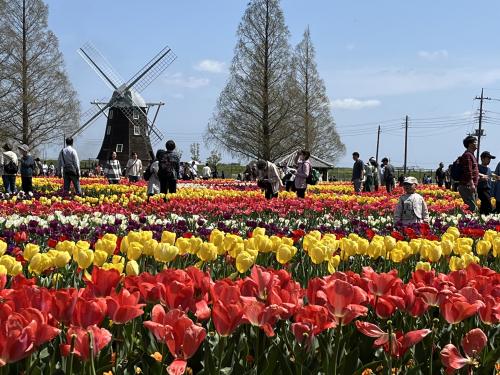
column 369, row 185
column 269, row 178
column 358, row 172
column 10, row 166
column 113, row 169
column 69, row 166
column 411, row 207
column 440, row 175
column 303, row 171
column 154, row 180
column 38, row 168
column 485, row 186
column 469, row 178
column 376, row 173
column 134, row 168
column 27, row 169
column 206, row 173
column 388, row 176
column 168, row 172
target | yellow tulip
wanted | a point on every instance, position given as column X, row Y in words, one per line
column 110, row 237
column 258, row 232
column 285, row 253
column 217, row 237
column 318, row 253
column 17, row 269
column 496, row 247
column 168, row 237
column 134, row 251
column 469, row 258
column 426, row 266
column 134, row 236
column 195, row 244
column 263, row 244
column 276, row 243
column 39, row 263
column 67, row 246
column 397, row 255
column 132, row 268
column 3, row 247
column 287, row 241
column 100, row 257
column 124, row 245
column 376, row 249
column 415, row 245
column 3, row 270
column 207, row 252
column 164, row 252
column 117, row 259
column 390, row 243
column 83, row 244
column 309, row 241
column 61, row 259
column 434, row 253
column 30, row 250
column 184, row 245
column 150, row 246
column 483, row 247
column 7, row 261
column 333, row 263
column 84, row 257
column 447, row 247
column 244, row 261
column 146, row 235
column 490, row 235
column 453, row 231
column 456, row 263
column 113, row 266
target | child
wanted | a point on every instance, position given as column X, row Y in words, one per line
column 411, row 207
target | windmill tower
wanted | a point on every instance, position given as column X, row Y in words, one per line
column 128, row 127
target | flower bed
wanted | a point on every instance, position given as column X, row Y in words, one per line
column 218, row 280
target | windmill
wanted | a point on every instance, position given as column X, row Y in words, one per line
column 128, row 127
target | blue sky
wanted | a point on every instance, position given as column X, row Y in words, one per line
column 380, row 60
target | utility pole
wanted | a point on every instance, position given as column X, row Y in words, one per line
column 406, row 144
column 479, row 132
column 378, row 143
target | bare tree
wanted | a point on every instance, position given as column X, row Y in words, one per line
column 41, row 103
column 315, row 124
column 214, row 158
column 253, row 114
column 194, row 148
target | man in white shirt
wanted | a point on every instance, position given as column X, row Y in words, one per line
column 10, row 166
column 206, row 173
column 69, row 165
column 134, row 168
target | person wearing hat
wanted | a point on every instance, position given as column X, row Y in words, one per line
column 27, row 168
column 10, row 165
column 485, row 185
column 467, row 186
column 411, row 207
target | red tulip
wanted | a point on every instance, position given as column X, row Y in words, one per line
column 181, row 335
column 64, row 302
column 102, row 282
column 89, row 312
column 260, row 315
column 455, row 309
column 176, row 289
column 146, row 284
column 472, row 344
column 344, row 301
column 124, row 306
column 400, row 342
column 490, row 311
column 44, row 331
column 310, row 321
column 101, row 338
column 228, row 308
column 20, row 237
column 17, row 335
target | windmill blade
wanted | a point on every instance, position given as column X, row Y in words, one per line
column 100, row 65
column 151, row 70
column 89, row 117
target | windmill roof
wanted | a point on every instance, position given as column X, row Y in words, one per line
column 314, row 160
column 129, row 98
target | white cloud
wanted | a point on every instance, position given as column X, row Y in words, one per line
column 354, row 104
column 433, row 55
column 374, row 82
column 178, row 79
column 211, row 66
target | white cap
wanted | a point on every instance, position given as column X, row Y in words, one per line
column 410, row 180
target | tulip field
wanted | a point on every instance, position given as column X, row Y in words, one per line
column 217, row 280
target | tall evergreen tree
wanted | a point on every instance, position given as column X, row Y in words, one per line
column 315, row 124
column 41, row 104
column 253, row 114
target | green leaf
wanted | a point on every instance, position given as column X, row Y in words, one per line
column 350, row 362
column 371, row 365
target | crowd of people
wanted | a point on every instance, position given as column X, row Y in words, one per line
column 472, row 180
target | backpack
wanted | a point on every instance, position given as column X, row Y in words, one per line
column 313, row 177
column 10, row 167
column 167, row 163
column 457, row 169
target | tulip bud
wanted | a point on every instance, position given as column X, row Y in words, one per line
column 132, row 268
column 483, row 247
column 285, row 253
column 3, row 247
column 168, row 237
column 207, row 252
column 100, row 257
column 165, row 252
column 61, row 259
column 134, row 251
column 30, row 250
column 244, row 261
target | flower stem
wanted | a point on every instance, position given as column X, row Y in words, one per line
column 338, row 332
column 91, row 351
column 69, row 366
column 389, row 355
